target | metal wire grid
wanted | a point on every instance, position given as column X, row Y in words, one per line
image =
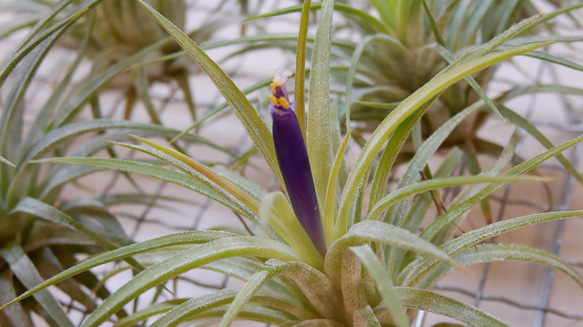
column 543, row 307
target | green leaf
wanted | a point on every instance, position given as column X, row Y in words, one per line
column 384, row 284
column 141, row 85
column 433, row 24
column 319, row 135
column 410, row 23
column 168, row 175
column 36, row 208
column 24, row 269
column 375, row 231
column 387, row 11
column 366, row 317
column 56, row 29
column 44, row 117
column 90, row 86
column 445, row 219
column 218, row 109
column 432, row 302
column 48, row 264
column 63, row 134
column 556, row 60
column 194, row 306
column 439, row 183
column 183, row 262
column 392, row 42
column 41, row 23
column 243, row 268
column 506, row 35
column 378, row 105
column 330, row 204
column 503, row 252
column 427, row 149
column 314, row 323
column 539, row 89
column 12, row 115
column 324, row 299
column 421, row 204
column 5, row 161
column 254, row 125
column 277, row 212
column 196, row 237
column 413, row 273
column 252, row 311
column 405, row 109
column 448, row 56
column 15, row 313
column 388, row 157
column 370, row 20
column 540, row 137
column 268, row 271
column 148, row 312
column 64, row 176
column 209, row 177
column 300, row 73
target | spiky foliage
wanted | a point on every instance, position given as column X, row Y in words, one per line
column 42, row 233
column 117, row 30
column 412, row 42
column 377, row 269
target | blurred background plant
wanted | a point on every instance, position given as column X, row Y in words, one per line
column 64, row 59
column 412, row 41
column 291, row 292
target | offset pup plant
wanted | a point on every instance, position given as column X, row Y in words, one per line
column 320, row 257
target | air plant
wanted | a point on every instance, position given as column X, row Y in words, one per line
column 376, row 268
column 410, row 44
column 121, row 32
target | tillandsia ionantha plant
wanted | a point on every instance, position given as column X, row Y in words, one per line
column 412, row 42
column 122, row 33
column 375, row 269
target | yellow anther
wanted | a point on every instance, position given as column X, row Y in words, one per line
column 274, row 100
column 279, row 102
column 283, row 103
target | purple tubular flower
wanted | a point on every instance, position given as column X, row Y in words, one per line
column 294, row 164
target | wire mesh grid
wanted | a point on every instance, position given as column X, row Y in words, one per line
column 545, row 308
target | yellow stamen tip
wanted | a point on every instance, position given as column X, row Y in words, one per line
column 274, row 100
column 279, row 102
